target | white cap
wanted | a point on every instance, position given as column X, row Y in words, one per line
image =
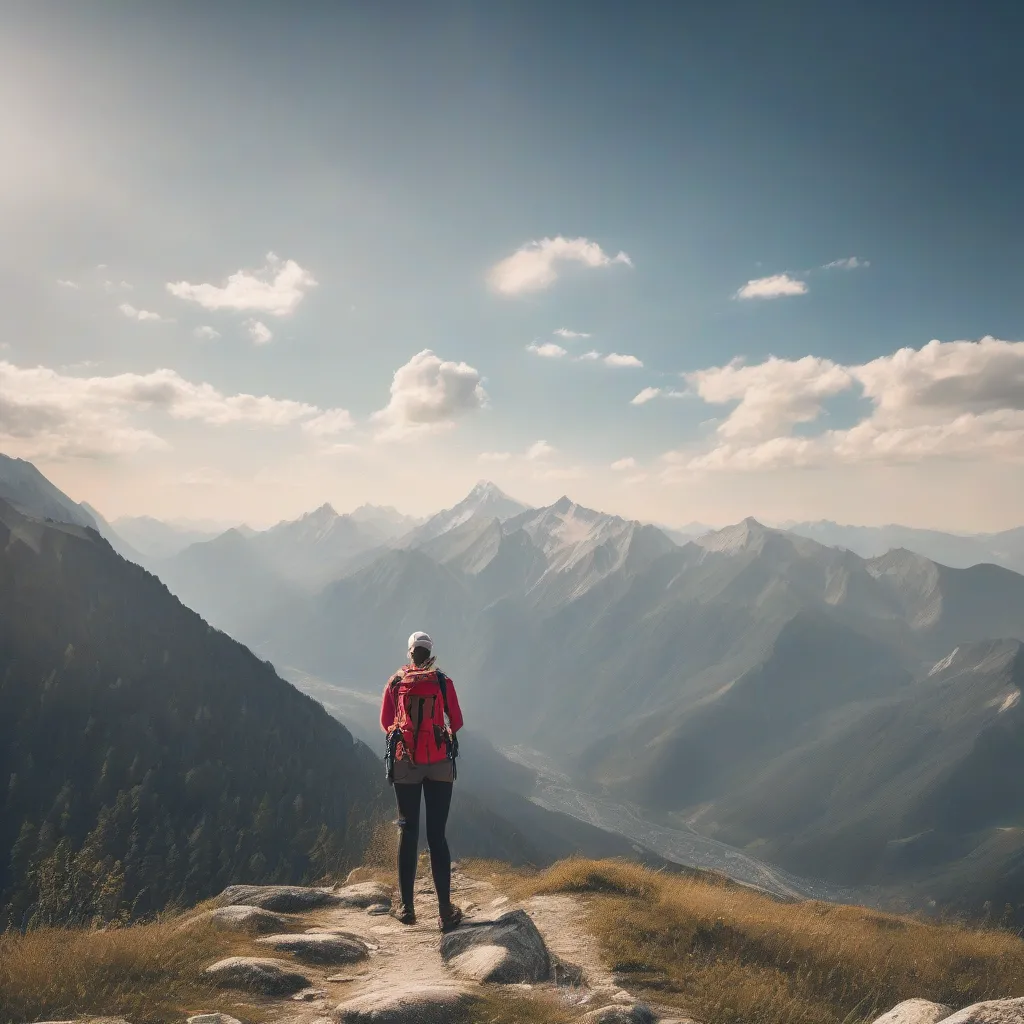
column 420, row 640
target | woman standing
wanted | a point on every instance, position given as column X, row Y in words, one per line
column 420, row 714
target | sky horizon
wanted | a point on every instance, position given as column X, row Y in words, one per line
column 682, row 264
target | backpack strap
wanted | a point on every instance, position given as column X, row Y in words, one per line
column 453, row 739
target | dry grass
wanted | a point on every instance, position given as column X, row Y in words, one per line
column 148, row 972
column 510, row 1008
column 727, row 954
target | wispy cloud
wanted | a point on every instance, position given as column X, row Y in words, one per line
column 141, row 314
column 534, row 266
column 622, row 465
column 45, row 412
column 259, row 332
column 546, row 349
column 850, row 263
column 645, row 396
column 74, row 285
column 206, row 333
column 494, row 456
column 776, row 286
column 540, row 450
column 620, row 361
column 276, row 289
column 564, row 332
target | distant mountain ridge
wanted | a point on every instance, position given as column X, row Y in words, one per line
column 955, row 550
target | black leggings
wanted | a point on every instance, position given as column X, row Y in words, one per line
column 438, row 798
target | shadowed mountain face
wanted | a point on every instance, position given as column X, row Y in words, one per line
column 150, row 758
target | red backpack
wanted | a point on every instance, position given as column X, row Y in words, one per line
column 421, row 733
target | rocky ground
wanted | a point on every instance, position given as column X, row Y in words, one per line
column 334, row 956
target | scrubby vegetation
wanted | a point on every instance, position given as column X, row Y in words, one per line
column 724, row 954
column 148, row 972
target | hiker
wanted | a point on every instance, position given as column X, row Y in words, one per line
column 420, row 715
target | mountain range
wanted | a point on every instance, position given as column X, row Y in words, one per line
column 850, row 717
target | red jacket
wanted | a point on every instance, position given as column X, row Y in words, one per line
column 419, row 713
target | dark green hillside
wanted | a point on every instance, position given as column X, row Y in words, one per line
column 145, row 757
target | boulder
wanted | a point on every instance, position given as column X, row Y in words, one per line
column 379, row 909
column 251, row 920
column 285, row 899
column 637, row 1013
column 507, row 951
column 916, row 1011
column 309, row 995
column 320, row 947
column 995, row 1011
column 363, row 895
column 413, row 1004
column 255, row 974
column 213, row 1018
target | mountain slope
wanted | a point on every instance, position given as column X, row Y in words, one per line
column 148, row 757
column 24, row 487
column 156, row 540
column 911, row 788
column 227, row 580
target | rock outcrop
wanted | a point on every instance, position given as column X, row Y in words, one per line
column 413, row 1005
column 636, row 1013
column 363, row 895
column 331, row 948
column 266, row 977
column 251, row 920
column 916, row 1011
column 508, row 951
column 285, row 899
column 995, row 1011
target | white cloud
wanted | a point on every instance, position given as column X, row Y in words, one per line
column 69, row 284
column 329, row 423
column 534, row 266
column 645, row 396
column 564, row 332
column 774, row 287
column 206, row 333
column 952, row 400
column 259, row 332
column 116, row 286
column 547, row 349
column 140, row 314
column 494, row 456
column 622, row 361
column 850, row 263
column 276, row 289
column 44, row 412
column 590, row 357
column 621, row 465
column 773, row 395
column 539, row 450
column 429, row 393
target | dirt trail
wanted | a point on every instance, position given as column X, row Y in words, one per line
column 404, row 955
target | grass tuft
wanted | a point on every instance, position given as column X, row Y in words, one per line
column 147, row 972
column 726, row 954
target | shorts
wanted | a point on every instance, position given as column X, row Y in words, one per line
column 440, row 771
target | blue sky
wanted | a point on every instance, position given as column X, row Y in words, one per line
column 399, row 155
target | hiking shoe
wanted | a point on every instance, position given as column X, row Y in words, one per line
column 403, row 914
column 450, row 918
